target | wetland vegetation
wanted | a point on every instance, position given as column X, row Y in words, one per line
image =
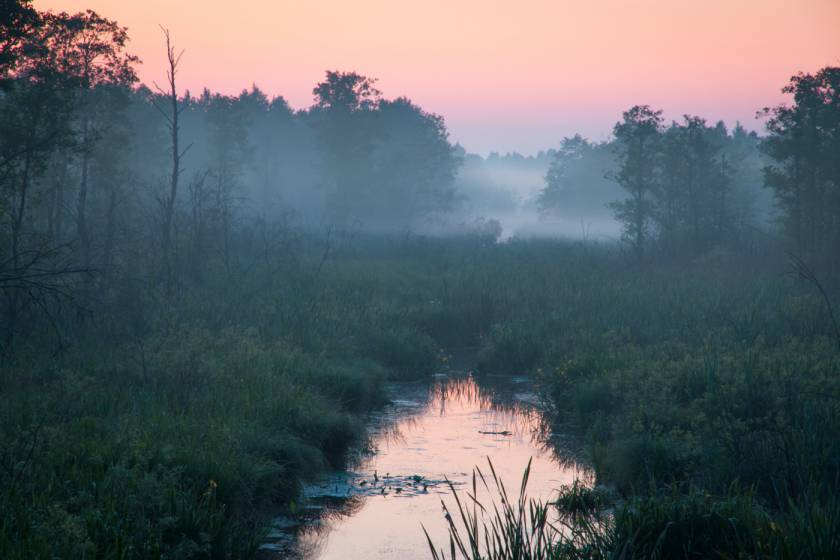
column 207, row 299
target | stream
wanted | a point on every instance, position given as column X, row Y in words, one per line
column 430, row 433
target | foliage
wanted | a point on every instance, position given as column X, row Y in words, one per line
column 176, row 361
column 804, row 172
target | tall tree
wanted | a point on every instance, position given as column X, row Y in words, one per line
column 228, row 150
column 35, row 110
column 413, row 166
column 90, row 50
column 804, row 143
column 559, row 179
column 19, row 22
column 691, row 196
column 172, row 114
column 637, row 146
column 344, row 102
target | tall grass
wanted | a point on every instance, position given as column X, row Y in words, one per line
column 706, row 397
column 695, row 376
column 581, row 523
column 174, row 427
column 501, row 528
column 504, row 528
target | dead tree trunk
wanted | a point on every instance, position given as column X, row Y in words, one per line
column 171, row 115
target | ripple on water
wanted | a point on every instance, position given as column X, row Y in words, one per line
column 429, row 437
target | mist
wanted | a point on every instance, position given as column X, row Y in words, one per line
column 234, row 328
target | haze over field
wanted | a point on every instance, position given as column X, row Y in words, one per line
column 508, row 78
column 535, row 280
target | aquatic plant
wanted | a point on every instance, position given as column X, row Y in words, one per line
column 502, row 528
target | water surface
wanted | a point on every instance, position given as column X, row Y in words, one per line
column 429, row 434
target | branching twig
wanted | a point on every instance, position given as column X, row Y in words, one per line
column 801, row 270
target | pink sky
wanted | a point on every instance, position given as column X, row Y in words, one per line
column 506, row 75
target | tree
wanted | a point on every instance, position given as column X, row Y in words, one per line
column 228, row 150
column 559, row 179
column 637, row 147
column 413, row 166
column 19, row 22
column 691, row 197
column 89, row 50
column 577, row 183
column 346, row 92
column 386, row 162
column 171, row 115
column 803, row 143
column 341, row 115
column 35, row 111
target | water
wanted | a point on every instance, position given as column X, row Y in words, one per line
column 429, row 434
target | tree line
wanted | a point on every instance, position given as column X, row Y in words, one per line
column 691, row 187
column 103, row 179
column 109, row 185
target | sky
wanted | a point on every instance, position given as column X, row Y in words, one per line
column 515, row 75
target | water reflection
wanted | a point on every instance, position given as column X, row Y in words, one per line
column 429, row 434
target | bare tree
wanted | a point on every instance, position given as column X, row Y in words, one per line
column 171, row 115
column 801, row 270
column 42, row 277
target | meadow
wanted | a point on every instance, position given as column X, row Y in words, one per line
column 203, row 295
column 703, row 394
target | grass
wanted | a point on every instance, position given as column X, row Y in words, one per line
column 498, row 529
column 586, row 523
column 175, row 427
column 170, row 426
column 106, row 461
column 705, row 397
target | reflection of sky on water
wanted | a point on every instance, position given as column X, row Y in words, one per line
column 428, row 435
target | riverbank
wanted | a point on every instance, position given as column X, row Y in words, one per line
column 706, row 395
column 433, row 434
column 170, row 424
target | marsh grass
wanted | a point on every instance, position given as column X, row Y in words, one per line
column 582, row 522
column 695, row 376
column 497, row 527
column 706, row 397
column 174, row 428
column 503, row 528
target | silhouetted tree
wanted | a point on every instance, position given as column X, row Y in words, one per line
column 804, row 143
column 691, row 197
column 577, row 184
column 413, row 165
column 637, row 144
column 90, row 50
column 228, row 150
column 19, row 22
column 385, row 162
column 341, row 115
column 171, row 114
column 36, row 103
column 559, row 179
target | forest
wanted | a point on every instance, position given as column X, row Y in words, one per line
column 206, row 296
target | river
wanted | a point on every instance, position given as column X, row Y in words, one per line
column 430, row 433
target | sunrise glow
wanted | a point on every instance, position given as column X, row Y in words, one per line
column 506, row 75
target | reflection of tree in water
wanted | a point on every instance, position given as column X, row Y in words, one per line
column 506, row 407
column 510, row 404
column 461, row 392
column 503, row 400
column 500, row 399
column 310, row 536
